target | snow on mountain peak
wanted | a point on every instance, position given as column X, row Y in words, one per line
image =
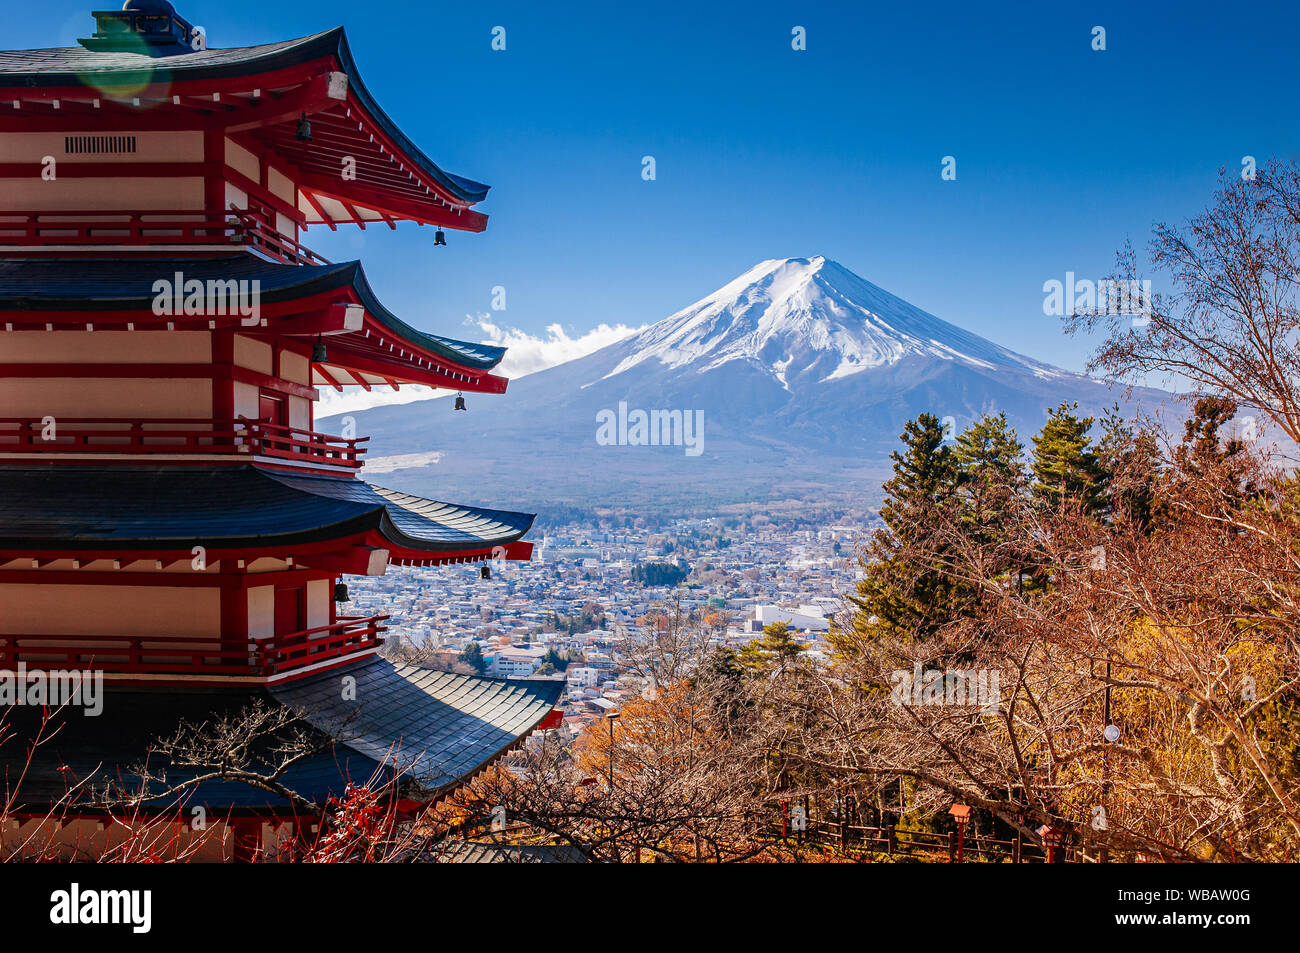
column 809, row 319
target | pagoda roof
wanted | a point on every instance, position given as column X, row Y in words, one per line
column 377, row 348
column 431, row 729
column 107, row 285
column 129, row 508
column 230, row 88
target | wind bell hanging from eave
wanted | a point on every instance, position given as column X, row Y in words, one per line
column 460, row 401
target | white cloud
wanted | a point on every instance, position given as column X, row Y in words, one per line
column 526, row 354
column 529, row 353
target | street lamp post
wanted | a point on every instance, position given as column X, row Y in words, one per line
column 1105, row 760
column 961, row 814
column 1053, row 838
column 611, row 717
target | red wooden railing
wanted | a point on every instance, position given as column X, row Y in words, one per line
column 172, row 435
column 252, row 227
column 348, row 635
column 164, row 655
column 257, row 229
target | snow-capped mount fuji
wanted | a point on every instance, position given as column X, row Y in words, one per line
column 802, row 373
column 813, row 319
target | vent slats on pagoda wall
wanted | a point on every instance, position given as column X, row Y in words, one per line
column 99, row 145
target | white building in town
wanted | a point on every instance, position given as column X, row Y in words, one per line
column 516, row 662
column 808, row 618
column 582, row 676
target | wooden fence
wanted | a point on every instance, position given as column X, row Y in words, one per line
column 892, row 841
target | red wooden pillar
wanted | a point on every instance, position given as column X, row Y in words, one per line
column 214, row 183
column 248, row 840
column 234, row 618
column 223, row 384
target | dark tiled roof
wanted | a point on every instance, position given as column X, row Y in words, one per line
column 436, row 726
column 130, row 507
column 466, row 852
column 106, row 751
column 63, row 66
column 35, row 284
column 75, row 66
column 458, row 724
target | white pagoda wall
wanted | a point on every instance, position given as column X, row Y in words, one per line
column 78, row 396
column 68, row 192
column 105, row 347
column 128, row 193
column 179, row 612
column 82, row 396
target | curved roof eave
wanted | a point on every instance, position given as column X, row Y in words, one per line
column 481, row 356
column 228, row 509
column 36, row 285
column 75, row 66
column 432, row 729
column 467, row 190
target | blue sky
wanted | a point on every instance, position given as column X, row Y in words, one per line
column 763, row 152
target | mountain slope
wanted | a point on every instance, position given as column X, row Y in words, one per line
column 804, row 373
column 813, row 317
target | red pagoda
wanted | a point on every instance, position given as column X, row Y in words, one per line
column 169, row 516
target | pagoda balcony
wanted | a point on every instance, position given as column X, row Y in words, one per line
column 163, row 436
column 196, row 231
column 161, row 655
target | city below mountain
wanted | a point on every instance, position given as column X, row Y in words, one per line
column 792, row 381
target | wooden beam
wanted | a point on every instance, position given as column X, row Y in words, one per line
column 70, row 168
column 239, row 180
column 177, row 580
column 309, row 99
column 328, row 150
column 412, row 374
column 393, row 205
column 141, row 84
column 356, row 216
column 246, row 376
column 355, row 561
column 320, row 210
column 108, row 318
column 21, row 120
column 340, row 318
column 137, row 102
column 329, row 379
column 169, row 371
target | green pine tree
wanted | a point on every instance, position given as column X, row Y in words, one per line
column 472, row 656
column 905, row 589
column 991, row 479
column 990, row 474
column 1202, row 443
column 1064, row 466
column 776, row 645
column 1131, row 458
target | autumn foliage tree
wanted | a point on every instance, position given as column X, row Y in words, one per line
column 1148, row 676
